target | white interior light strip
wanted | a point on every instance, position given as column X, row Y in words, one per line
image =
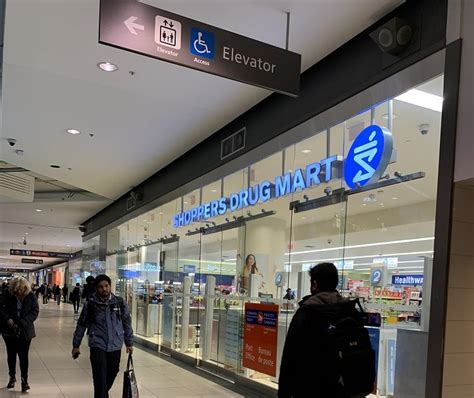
column 393, row 242
column 320, row 260
column 399, row 262
column 423, row 99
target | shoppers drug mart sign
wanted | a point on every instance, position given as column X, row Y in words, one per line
column 407, row 280
column 365, row 163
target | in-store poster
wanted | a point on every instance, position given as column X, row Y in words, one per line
column 374, row 335
column 391, row 358
column 261, row 337
column 167, row 320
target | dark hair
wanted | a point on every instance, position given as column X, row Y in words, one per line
column 254, row 266
column 90, row 279
column 78, row 284
column 247, row 259
column 326, row 276
column 101, row 278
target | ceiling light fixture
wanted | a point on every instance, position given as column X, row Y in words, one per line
column 107, row 66
column 385, row 116
column 38, row 210
column 73, row 131
column 306, row 151
column 423, row 99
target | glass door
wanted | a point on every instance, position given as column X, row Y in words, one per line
column 172, row 295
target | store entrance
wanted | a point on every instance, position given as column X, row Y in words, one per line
column 383, row 254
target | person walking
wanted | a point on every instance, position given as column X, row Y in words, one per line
column 65, row 291
column 57, row 294
column 18, row 312
column 327, row 350
column 108, row 323
column 89, row 288
column 44, row 293
column 76, row 297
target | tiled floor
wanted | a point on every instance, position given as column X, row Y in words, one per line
column 53, row 373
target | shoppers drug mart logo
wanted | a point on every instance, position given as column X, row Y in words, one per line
column 366, row 162
column 368, row 157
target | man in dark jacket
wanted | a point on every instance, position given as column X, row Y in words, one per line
column 89, row 288
column 108, row 323
column 303, row 370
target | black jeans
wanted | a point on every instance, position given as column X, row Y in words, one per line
column 17, row 346
column 105, row 366
column 75, row 304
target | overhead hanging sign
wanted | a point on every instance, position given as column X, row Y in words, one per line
column 150, row 31
column 31, row 261
column 39, row 253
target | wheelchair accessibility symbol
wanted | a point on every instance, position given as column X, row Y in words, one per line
column 202, row 43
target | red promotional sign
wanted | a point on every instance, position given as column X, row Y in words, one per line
column 388, row 294
column 260, row 337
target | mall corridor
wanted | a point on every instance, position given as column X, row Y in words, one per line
column 53, row 373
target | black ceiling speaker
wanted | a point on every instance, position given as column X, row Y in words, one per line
column 394, row 36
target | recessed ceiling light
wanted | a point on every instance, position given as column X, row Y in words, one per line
column 38, row 210
column 68, row 245
column 185, row 203
column 55, row 166
column 26, row 233
column 306, row 151
column 107, row 66
column 214, row 190
column 161, row 212
column 73, row 131
column 394, row 198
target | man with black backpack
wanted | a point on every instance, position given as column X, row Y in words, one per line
column 327, row 351
column 108, row 323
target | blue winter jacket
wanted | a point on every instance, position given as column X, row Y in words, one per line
column 108, row 324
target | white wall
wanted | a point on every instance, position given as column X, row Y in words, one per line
column 465, row 137
column 459, row 345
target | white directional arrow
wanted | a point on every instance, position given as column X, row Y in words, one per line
column 131, row 25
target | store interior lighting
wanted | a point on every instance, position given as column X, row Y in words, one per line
column 393, row 242
column 423, row 99
column 320, row 260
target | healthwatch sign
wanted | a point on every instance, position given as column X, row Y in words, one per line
column 365, row 163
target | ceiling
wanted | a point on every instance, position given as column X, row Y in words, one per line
column 131, row 126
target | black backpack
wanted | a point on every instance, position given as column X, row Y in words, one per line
column 349, row 354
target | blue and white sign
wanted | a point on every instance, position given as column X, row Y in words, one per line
column 202, row 43
column 376, row 276
column 368, row 157
column 374, row 335
column 366, row 162
column 407, row 280
column 312, row 175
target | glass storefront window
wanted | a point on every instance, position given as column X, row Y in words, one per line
column 188, row 287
